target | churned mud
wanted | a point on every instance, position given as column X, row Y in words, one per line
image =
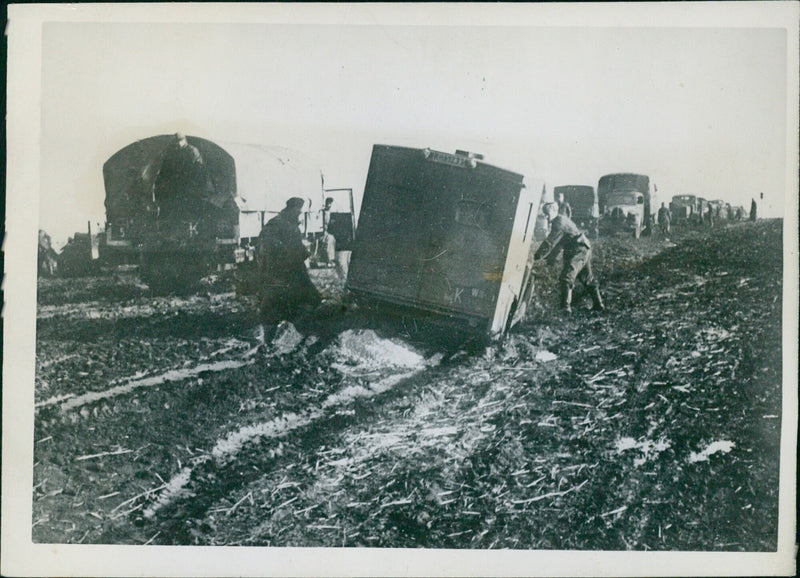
column 653, row 426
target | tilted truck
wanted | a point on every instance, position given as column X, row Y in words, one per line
column 444, row 237
column 181, row 214
column 627, row 203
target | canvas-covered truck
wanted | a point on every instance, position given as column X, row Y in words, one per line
column 583, row 201
column 445, row 237
column 180, row 210
column 627, row 203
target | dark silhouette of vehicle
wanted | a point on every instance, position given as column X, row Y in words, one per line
column 445, row 237
column 583, row 201
column 180, row 219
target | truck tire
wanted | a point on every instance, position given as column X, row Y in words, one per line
column 172, row 272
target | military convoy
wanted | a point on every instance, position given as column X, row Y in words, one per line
column 443, row 236
column 693, row 210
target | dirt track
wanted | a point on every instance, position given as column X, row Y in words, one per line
column 653, row 426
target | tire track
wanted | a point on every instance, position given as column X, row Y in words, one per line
column 172, row 375
column 366, row 349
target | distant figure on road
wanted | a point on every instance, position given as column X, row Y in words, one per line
column 564, row 234
column 664, row 219
column 286, row 289
column 753, row 210
column 47, row 257
column 564, row 207
column 328, row 241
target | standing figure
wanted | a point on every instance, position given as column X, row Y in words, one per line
column 286, row 289
column 710, row 216
column 753, row 210
column 328, row 240
column 182, row 181
column 564, row 234
column 47, row 257
column 564, row 207
column 664, row 219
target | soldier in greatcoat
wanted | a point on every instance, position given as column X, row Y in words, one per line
column 285, row 289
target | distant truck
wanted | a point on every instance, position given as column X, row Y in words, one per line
column 683, row 209
column 720, row 209
column 583, row 201
column 446, row 238
column 180, row 212
column 627, row 202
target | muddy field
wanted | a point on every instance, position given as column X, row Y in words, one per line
column 653, row 426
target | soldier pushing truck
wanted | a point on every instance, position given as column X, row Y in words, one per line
column 565, row 235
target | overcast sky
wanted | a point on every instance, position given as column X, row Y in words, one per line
column 701, row 110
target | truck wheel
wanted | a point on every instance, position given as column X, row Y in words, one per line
column 168, row 272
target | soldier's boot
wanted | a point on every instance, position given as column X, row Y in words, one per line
column 597, row 299
column 566, row 299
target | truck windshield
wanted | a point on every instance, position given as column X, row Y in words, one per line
column 625, row 198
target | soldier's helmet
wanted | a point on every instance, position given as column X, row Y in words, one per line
column 295, row 203
column 550, row 210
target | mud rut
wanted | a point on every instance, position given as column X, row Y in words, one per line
column 653, row 426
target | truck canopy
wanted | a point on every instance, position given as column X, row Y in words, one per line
column 259, row 179
column 623, row 182
column 130, row 174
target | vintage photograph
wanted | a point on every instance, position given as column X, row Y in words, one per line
column 452, row 279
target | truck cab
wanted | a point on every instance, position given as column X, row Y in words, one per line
column 682, row 208
column 626, row 203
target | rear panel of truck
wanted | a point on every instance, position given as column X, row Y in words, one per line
column 442, row 233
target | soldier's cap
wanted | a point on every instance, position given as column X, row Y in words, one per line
column 550, row 209
column 295, row 203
